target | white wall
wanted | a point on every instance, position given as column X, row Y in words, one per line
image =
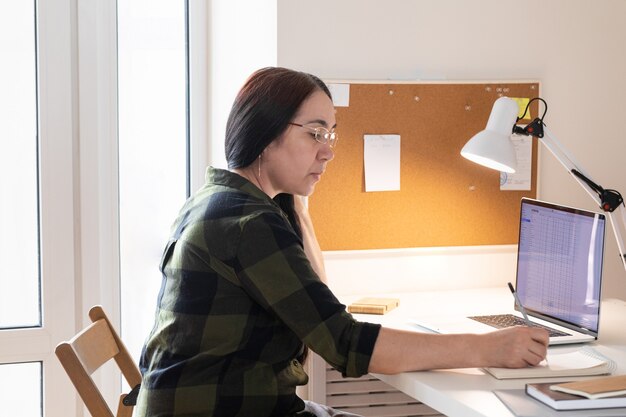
column 393, row 271
column 574, row 47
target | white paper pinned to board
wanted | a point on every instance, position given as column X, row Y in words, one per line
column 381, row 156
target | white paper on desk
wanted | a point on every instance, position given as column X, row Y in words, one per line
column 340, row 94
column 582, row 362
column 381, row 157
column 520, row 180
column 579, row 359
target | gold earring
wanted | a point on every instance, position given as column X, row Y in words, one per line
column 259, row 166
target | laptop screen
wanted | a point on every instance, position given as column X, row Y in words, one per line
column 559, row 263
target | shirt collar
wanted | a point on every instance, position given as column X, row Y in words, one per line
column 234, row 180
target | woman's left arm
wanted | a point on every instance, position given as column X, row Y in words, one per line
column 311, row 245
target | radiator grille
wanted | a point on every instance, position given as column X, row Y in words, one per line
column 369, row 396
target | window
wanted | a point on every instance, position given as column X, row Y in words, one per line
column 153, row 167
column 20, row 389
column 20, row 383
column 19, row 240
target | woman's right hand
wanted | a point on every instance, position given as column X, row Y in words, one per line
column 515, row 347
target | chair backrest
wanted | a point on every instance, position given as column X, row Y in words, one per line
column 89, row 350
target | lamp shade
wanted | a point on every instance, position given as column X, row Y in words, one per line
column 492, row 147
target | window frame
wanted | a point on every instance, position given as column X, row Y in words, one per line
column 57, row 208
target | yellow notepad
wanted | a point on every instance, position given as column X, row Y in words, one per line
column 372, row 305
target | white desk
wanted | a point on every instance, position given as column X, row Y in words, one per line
column 468, row 392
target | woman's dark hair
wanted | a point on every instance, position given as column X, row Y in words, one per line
column 263, row 109
column 261, row 112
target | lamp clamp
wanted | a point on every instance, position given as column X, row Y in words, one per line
column 534, row 128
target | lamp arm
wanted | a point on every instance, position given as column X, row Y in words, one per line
column 594, row 190
column 617, row 228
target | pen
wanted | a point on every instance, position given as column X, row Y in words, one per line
column 519, row 304
column 521, row 307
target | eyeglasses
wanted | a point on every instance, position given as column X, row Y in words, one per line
column 321, row 134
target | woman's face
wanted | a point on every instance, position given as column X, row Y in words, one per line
column 295, row 161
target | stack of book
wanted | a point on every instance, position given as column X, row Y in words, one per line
column 607, row 392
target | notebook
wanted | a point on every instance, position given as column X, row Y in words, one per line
column 523, row 405
column 582, row 362
column 559, row 276
column 563, row 401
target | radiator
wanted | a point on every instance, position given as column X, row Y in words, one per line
column 366, row 396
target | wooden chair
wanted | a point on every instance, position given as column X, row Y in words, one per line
column 89, row 350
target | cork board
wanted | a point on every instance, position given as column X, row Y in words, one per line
column 444, row 199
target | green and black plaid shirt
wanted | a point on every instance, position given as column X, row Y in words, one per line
column 238, row 300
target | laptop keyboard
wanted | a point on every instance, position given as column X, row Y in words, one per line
column 500, row 321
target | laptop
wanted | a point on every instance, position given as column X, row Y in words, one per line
column 559, row 275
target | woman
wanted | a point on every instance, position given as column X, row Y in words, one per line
column 244, row 293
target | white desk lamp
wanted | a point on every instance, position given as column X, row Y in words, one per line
column 493, row 148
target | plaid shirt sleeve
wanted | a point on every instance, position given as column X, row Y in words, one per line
column 279, row 276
